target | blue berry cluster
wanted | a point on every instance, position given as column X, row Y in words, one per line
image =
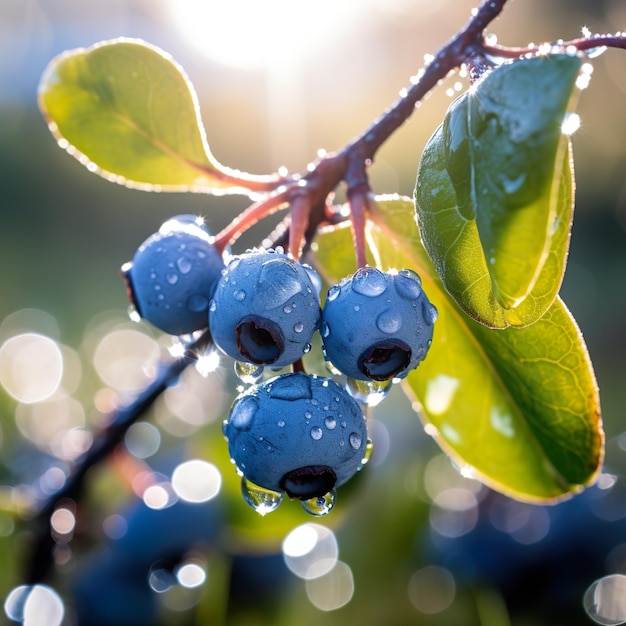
column 294, row 434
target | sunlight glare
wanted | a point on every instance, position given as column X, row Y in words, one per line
column 248, row 33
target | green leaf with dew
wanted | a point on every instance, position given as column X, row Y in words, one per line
column 494, row 193
column 127, row 111
column 516, row 408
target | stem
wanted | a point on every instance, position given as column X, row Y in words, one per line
column 104, row 444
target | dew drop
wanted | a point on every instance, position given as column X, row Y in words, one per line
column 197, row 303
column 133, row 313
column 281, row 423
column 355, row 440
column 184, row 265
column 368, row 281
column 212, row 306
column 369, row 447
column 408, row 284
column 171, row 278
column 325, row 330
column 389, row 321
column 291, row 387
column 330, row 422
column 243, row 412
column 248, row 373
column 298, row 327
column 262, row 500
column 316, row 433
column 233, row 264
column 239, row 295
column 333, row 292
column 320, row 505
column 368, row 392
column 279, row 281
column 307, row 348
column 430, row 313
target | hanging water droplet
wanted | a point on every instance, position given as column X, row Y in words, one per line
column 184, row 265
column 171, row 278
column 333, row 292
column 368, row 392
column 239, row 295
column 355, row 440
column 316, row 433
column 262, row 500
column 320, row 505
column 605, row 600
column 307, row 348
column 369, row 447
column 408, row 284
column 368, row 281
column 198, row 302
column 133, row 313
column 248, row 373
column 389, row 321
column 330, row 422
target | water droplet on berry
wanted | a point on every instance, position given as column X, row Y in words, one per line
column 280, row 423
column 368, row 392
column 389, row 321
column 316, row 433
column 184, row 265
column 368, row 281
column 248, row 373
column 333, row 292
column 408, row 284
column 133, row 313
column 325, row 330
column 279, row 281
column 308, row 415
column 239, row 295
column 232, row 265
column 355, row 440
column 197, row 303
column 286, row 310
column 291, row 387
column 430, row 313
column 298, row 327
column 171, row 278
column 330, row 422
column 243, row 412
column 320, row 505
column 369, row 447
column 307, row 348
column 212, row 306
column 262, row 500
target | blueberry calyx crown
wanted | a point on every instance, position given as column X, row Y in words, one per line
column 385, row 360
column 312, row 481
column 259, row 340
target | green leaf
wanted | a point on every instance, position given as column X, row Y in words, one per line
column 494, row 193
column 516, row 408
column 126, row 110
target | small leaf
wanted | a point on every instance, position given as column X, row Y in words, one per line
column 516, row 408
column 494, row 194
column 126, row 110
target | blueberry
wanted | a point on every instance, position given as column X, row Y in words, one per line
column 377, row 325
column 265, row 309
column 297, row 433
column 173, row 274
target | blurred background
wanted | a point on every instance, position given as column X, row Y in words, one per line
column 411, row 540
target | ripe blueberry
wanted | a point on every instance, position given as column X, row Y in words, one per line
column 173, row 274
column 265, row 309
column 377, row 325
column 297, row 433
